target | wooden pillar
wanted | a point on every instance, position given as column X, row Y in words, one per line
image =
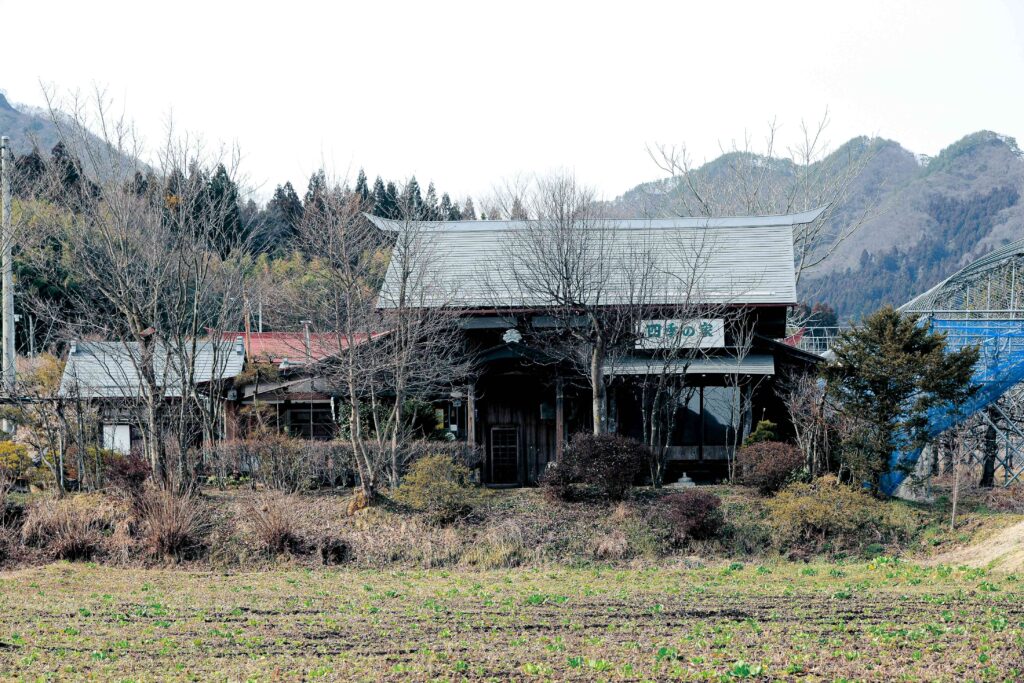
column 471, row 415
column 559, row 417
column 613, row 410
column 700, row 447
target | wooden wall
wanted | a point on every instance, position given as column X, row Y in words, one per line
column 515, row 401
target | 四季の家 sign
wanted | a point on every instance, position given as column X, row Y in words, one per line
column 705, row 333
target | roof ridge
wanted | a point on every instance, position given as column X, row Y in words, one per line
column 676, row 222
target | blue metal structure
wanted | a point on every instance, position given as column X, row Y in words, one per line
column 981, row 305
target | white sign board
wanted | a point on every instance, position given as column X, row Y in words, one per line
column 704, row 333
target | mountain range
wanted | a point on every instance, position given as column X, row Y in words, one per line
column 27, row 127
column 914, row 219
column 917, row 219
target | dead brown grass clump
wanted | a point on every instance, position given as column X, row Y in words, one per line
column 1010, row 499
column 611, row 546
column 173, row 526
column 502, row 545
column 359, row 501
column 70, row 528
column 274, row 523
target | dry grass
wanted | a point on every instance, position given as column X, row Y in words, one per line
column 173, row 526
column 245, row 530
column 1003, row 548
column 71, row 528
column 274, row 523
column 500, row 546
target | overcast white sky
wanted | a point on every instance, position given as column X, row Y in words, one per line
column 465, row 94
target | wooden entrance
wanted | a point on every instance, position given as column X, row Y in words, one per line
column 504, row 451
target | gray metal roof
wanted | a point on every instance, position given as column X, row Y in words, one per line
column 111, row 369
column 950, row 293
column 752, row 364
column 743, row 260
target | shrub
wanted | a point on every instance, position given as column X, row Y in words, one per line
column 274, row 523
column 333, row 550
column 173, row 525
column 68, row 528
column 459, row 452
column 14, row 460
column 127, row 473
column 605, row 463
column 280, row 462
column 768, row 465
column 694, row 515
column 766, row 430
column 438, row 487
column 6, row 483
column 827, row 515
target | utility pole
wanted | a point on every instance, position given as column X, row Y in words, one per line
column 6, row 234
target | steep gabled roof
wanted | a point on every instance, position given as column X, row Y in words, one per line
column 744, row 260
column 111, row 369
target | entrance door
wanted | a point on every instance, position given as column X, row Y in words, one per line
column 504, row 455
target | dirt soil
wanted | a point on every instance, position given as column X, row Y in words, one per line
column 883, row 620
column 1003, row 550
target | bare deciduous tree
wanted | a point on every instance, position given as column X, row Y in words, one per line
column 566, row 261
column 152, row 253
column 394, row 339
column 769, row 180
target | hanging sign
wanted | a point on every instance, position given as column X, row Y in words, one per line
column 704, row 333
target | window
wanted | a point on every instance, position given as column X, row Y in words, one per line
column 504, row 455
column 117, row 438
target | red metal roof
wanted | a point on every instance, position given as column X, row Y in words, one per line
column 276, row 347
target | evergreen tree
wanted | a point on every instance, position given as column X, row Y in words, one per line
column 888, row 373
column 431, row 211
column 316, row 192
column 138, row 185
column 518, row 212
column 391, row 209
column 468, row 210
column 225, row 220
column 411, row 203
column 363, row 188
column 67, row 167
column 173, row 189
column 286, row 201
column 281, row 221
column 378, row 198
column 29, row 170
column 445, row 207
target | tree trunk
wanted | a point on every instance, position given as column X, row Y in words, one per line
column 600, row 412
column 988, row 472
column 396, row 435
column 156, row 457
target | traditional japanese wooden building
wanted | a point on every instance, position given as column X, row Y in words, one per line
column 522, row 403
